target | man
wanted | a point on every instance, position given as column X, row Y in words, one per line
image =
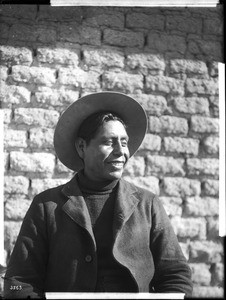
column 97, row 233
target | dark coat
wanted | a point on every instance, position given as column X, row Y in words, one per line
column 56, row 251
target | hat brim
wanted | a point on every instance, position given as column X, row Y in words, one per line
column 130, row 111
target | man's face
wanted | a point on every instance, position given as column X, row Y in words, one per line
column 107, row 153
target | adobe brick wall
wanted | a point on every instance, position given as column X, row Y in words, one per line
column 164, row 57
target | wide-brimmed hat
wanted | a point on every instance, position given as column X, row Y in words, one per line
column 128, row 109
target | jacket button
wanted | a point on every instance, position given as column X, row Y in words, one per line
column 88, row 258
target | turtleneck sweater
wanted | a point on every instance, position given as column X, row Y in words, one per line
column 100, row 199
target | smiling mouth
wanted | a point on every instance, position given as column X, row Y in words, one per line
column 117, row 163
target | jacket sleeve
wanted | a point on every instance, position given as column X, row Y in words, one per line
column 27, row 265
column 172, row 273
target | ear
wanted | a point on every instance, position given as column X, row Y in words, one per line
column 80, row 145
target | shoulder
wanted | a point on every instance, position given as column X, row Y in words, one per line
column 139, row 191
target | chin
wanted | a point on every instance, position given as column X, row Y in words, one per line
column 114, row 175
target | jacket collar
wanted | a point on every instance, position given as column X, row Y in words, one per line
column 75, row 207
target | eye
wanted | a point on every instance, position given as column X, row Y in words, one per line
column 124, row 143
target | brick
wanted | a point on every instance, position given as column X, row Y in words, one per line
column 6, row 161
column 4, row 30
column 214, row 104
column 149, row 183
column 218, row 274
column 153, row 104
column 32, row 162
column 181, row 187
column 15, row 138
column 172, row 205
column 141, row 20
column 211, row 144
column 52, row 97
column 98, row 16
column 145, row 63
column 162, row 42
column 184, row 24
column 203, row 292
column 201, row 86
column 15, row 56
column 123, row 38
column 40, row 185
column 135, row 166
column 74, row 33
column 59, row 13
column 40, row 33
column 124, row 82
column 36, row 117
column 151, row 142
column 188, row 66
column 210, row 187
column 7, row 115
column 18, row 11
column 59, row 56
column 34, row 75
column 163, row 84
column 192, row 105
column 205, row 251
column 197, row 206
column 203, row 166
column 168, row 124
column 181, row 145
column 16, row 185
column 103, row 58
column 41, row 138
column 213, row 69
column 213, row 26
column 204, row 124
column 11, row 232
column 212, row 228
column 15, row 209
column 206, row 49
column 189, row 227
column 164, row 165
column 12, row 94
column 79, row 78
column 200, row 274
column 3, row 73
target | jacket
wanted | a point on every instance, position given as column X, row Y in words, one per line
column 56, row 251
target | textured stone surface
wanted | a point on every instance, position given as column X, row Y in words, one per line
column 12, row 94
column 204, row 124
column 163, row 42
column 201, row 274
column 154, row 105
column 189, row 227
column 151, row 142
column 206, row 166
column 192, row 105
column 208, row 292
column 144, row 63
column 123, row 82
column 32, row 162
column 181, row 145
column 11, row 230
column 15, row 55
column 211, row 145
column 16, row 184
column 36, row 117
column 180, row 187
column 201, row 86
column 142, row 20
column 188, row 66
column 164, row 165
column 210, row 187
column 197, row 206
column 135, row 167
column 41, row 138
column 168, row 124
column 203, row 251
column 162, row 84
column 15, row 138
column 123, row 38
column 15, row 209
column 39, row 185
column 34, row 75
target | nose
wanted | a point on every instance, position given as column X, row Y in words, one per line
column 118, row 149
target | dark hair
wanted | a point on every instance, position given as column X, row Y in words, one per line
column 89, row 127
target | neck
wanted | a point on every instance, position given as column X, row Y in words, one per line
column 92, row 186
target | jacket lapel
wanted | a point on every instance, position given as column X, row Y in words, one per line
column 125, row 204
column 76, row 208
